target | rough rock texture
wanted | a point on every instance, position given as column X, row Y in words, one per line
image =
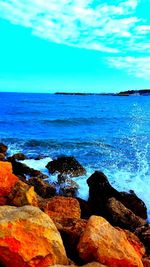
column 63, row 207
column 135, row 242
column 68, row 188
column 91, row 264
column 7, row 179
column 22, row 169
column 144, row 234
column 3, row 148
column 100, row 191
column 146, row 262
column 29, row 238
column 66, row 165
column 103, row 243
column 23, row 194
column 42, row 188
column 123, row 217
column 71, row 232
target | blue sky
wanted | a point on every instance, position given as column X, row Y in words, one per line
column 74, row 45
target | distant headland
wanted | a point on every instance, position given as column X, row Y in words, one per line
column 141, row 92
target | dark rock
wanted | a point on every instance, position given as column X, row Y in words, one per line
column 3, row 148
column 86, row 210
column 146, row 261
column 100, row 191
column 69, row 188
column 18, row 156
column 22, row 169
column 132, row 202
column 42, row 188
column 66, row 165
column 2, row 156
column 143, row 233
column 122, row 216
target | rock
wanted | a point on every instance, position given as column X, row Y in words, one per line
column 135, row 242
column 69, row 188
column 18, row 156
column 103, row 243
column 86, row 210
column 66, row 166
column 3, row 148
column 62, row 207
column 7, row 179
column 143, row 233
column 91, row 264
column 29, row 238
column 146, row 261
column 23, row 194
column 2, row 156
column 123, row 217
column 42, row 188
column 100, row 191
column 71, row 234
column 22, row 169
column 132, row 202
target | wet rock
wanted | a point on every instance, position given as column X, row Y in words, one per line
column 86, row 210
column 100, row 191
column 69, row 188
column 66, row 165
column 29, row 238
column 143, row 233
column 23, row 194
column 2, row 156
column 103, row 243
column 3, row 148
column 132, row 202
column 62, row 207
column 7, row 179
column 18, row 156
column 22, row 169
column 123, row 217
column 42, row 188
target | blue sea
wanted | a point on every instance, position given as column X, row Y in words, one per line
column 107, row 133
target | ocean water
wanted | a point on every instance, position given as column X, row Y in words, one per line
column 107, row 133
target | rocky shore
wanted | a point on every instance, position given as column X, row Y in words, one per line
column 44, row 224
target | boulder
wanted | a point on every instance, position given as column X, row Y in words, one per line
column 3, row 148
column 18, row 156
column 42, row 188
column 29, row 238
column 2, row 156
column 68, row 188
column 103, row 243
column 100, row 191
column 143, row 233
column 135, row 242
column 86, row 210
column 23, row 194
column 66, row 166
column 7, row 179
column 123, row 217
column 22, row 169
column 62, row 207
column 91, row 264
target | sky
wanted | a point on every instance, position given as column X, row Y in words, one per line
column 74, row 45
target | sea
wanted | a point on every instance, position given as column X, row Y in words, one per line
column 106, row 133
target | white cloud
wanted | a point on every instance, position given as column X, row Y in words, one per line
column 136, row 66
column 88, row 24
column 76, row 23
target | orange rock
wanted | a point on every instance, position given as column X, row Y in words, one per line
column 103, row 243
column 146, row 261
column 23, row 194
column 29, row 238
column 63, row 207
column 7, row 179
column 135, row 242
